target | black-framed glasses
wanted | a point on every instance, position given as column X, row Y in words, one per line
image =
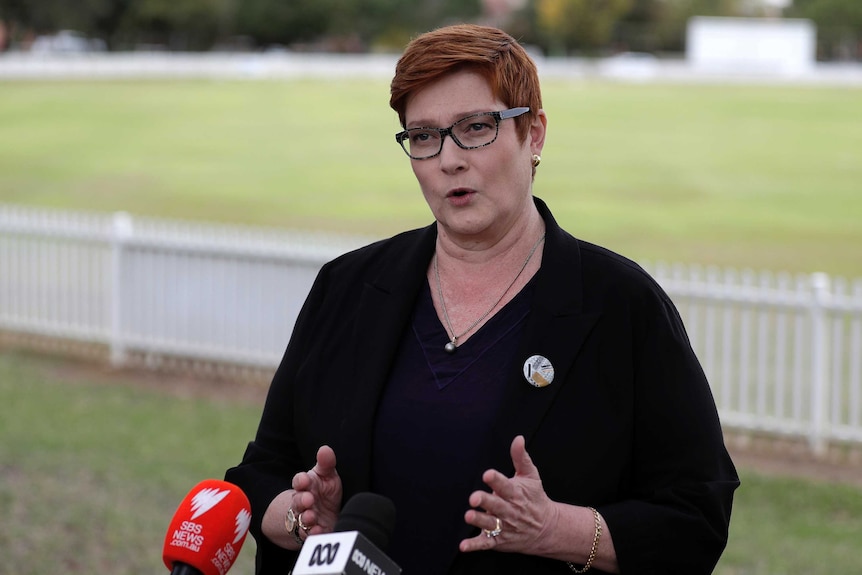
column 471, row 132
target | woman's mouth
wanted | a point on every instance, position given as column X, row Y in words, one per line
column 459, row 192
column 460, row 197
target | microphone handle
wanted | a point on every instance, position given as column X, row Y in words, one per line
column 184, row 569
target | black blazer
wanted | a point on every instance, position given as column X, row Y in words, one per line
column 628, row 424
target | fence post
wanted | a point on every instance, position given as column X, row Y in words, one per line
column 121, row 231
column 819, row 363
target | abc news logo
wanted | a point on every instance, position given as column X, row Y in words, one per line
column 324, row 554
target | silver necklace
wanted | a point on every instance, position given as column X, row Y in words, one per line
column 452, row 344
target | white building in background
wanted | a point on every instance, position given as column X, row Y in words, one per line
column 784, row 47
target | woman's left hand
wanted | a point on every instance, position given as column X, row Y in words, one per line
column 526, row 514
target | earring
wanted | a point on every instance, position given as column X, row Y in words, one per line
column 537, row 159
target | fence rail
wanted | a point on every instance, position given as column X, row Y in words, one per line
column 783, row 353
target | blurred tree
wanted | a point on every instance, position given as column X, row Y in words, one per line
column 578, row 24
column 180, row 24
column 346, row 24
column 38, row 15
column 550, row 24
column 557, row 26
column 387, row 24
column 830, row 12
column 397, row 21
column 636, row 30
column 364, row 21
column 95, row 18
column 199, row 24
column 108, row 18
column 281, row 22
column 839, row 26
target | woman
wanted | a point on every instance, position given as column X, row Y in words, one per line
column 529, row 401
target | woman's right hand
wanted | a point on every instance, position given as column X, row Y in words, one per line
column 315, row 499
column 318, row 493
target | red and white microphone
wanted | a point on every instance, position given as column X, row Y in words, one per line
column 208, row 529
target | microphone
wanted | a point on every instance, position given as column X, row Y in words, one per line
column 356, row 546
column 208, row 529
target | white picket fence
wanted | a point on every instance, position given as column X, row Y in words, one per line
column 258, row 66
column 219, row 293
column 783, row 353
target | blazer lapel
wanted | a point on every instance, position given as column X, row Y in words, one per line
column 556, row 329
column 553, row 332
column 385, row 306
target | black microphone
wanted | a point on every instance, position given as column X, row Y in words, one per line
column 356, row 545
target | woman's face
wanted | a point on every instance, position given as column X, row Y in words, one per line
column 475, row 195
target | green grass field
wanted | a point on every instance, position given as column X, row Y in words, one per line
column 767, row 177
column 91, row 471
column 93, row 468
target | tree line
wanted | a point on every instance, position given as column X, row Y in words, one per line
column 556, row 27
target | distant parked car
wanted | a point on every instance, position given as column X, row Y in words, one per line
column 66, row 42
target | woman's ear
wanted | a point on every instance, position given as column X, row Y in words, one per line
column 538, row 129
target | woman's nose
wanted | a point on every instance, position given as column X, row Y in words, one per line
column 451, row 155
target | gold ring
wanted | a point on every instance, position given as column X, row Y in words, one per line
column 498, row 528
column 291, row 523
column 302, row 525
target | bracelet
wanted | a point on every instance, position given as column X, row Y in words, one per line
column 594, row 549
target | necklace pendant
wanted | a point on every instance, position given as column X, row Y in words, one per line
column 450, row 347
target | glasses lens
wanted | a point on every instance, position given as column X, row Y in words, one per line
column 421, row 143
column 476, row 131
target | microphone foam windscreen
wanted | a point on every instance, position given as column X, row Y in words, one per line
column 208, row 528
column 372, row 515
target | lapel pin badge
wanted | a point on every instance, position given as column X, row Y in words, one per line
column 538, row 371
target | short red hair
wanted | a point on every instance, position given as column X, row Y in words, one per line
column 494, row 54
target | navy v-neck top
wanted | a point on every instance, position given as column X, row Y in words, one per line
column 432, row 428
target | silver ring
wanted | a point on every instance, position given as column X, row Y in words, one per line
column 302, row 525
column 498, row 528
